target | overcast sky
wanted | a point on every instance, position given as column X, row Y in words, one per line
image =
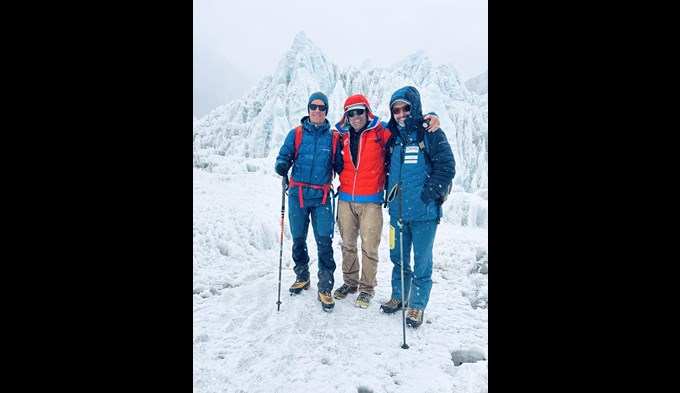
column 254, row 35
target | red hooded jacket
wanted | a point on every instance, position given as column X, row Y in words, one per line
column 365, row 181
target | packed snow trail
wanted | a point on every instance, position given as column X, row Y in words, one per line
column 241, row 343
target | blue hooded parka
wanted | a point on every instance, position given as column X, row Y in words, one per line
column 422, row 183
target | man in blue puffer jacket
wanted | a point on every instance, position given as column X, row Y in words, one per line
column 309, row 195
column 418, row 182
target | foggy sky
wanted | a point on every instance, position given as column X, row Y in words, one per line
column 252, row 36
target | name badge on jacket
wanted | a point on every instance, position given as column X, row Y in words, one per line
column 411, row 155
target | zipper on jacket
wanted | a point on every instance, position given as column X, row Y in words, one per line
column 356, row 168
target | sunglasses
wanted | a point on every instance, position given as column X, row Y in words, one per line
column 313, row 107
column 406, row 108
column 355, row 112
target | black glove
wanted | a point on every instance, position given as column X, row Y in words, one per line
column 281, row 169
column 423, row 198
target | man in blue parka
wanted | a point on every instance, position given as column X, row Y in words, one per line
column 310, row 196
column 418, row 182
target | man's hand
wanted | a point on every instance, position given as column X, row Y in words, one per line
column 434, row 122
column 281, row 169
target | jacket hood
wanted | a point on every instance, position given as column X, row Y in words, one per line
column 357, row 101
column 344, row 128
column 409, row 94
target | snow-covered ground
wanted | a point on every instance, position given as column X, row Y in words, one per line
column 243, row 344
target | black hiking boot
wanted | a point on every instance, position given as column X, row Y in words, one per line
column 363, row 299
column 392, row 306
column 343, row 291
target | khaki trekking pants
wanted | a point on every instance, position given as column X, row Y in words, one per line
column 365, row 220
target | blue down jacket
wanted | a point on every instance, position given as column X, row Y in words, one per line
column 422, row 182
column 313, row 163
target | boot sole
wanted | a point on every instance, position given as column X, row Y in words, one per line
column 382, row 310
column 340, row 297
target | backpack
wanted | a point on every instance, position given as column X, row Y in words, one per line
column 298, row 140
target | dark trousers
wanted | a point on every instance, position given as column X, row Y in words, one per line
column 322, row 225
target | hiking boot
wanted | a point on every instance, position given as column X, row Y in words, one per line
column 392, row 306
column 363, row 299
column 298, row 286
column 343, row 291
column 414, row 317
column 327, row 302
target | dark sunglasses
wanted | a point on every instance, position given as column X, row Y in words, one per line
column 313, row 107
column 355, row 112
column 404, row 109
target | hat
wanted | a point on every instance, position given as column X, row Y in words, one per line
column 356, row 101
column 317, row 96
column 355, row 106
column 402, row 100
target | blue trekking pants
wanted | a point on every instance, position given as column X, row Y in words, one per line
column 322, row 224
column 417, row 282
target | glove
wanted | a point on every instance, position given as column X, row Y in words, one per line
column 281, row 169
column 426, row 199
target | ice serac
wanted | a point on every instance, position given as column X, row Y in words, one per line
column 479, row 84
column 418, row 66
column 254, row 127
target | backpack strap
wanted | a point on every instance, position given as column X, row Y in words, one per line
column 298, row 139
column 336, row 137
column 389, row 148
column 325, row 188
column 423, row 145
column 380, row 138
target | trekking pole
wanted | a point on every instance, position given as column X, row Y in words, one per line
column 401, row 256
column 284, row 187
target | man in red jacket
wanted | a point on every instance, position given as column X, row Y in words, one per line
column 361, row 195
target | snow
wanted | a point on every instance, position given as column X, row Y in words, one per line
column 241, row 342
